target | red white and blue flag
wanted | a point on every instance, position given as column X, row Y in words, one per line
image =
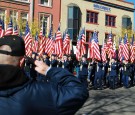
column 28, row 41
column 9, row 30
column 95, row 47
column 35, row 44
column 2, row 32
column 125, row 48
column 59, row 44
column 15, row 31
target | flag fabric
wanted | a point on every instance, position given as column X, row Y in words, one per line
column 78, row 47
column 9, row 30
column 35, row 44
column 109, row 41
column 28, row 41
column 132, row 51
column 83, row 41
column 120, row 50
column 66, row 44
column 95, row 47
column 103, row 54
column 110, row 51
column 59, row 43
column 15, row 31
column 125, row 48
column 2, row 33
column 49, row 43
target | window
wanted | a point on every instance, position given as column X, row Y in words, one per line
column 13, row 15
column 45, row 2
column 110, row 20
column 2, row 13
column 126, row 23
column 46, row 19
column 74, row 21
column 24, row 19
column 92, row 17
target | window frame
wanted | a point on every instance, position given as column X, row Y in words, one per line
column 93, row 18
column 47, row 5
column 49, row 20
column 110, row 21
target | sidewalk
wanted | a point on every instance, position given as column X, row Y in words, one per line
column 120, row 101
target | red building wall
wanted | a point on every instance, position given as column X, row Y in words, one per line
column 54, row 10
column 8, row 5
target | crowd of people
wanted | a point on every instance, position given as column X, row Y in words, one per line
column 93, row 73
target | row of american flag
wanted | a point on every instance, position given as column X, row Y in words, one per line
column 60, row 45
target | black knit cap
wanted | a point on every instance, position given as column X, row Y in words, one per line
column 16, row 43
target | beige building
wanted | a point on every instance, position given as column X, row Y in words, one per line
column 103, row 16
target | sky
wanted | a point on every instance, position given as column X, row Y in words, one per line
column 133, row 1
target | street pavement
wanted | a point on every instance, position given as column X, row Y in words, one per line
column 120, row 101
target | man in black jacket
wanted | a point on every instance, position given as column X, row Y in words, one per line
column 59, row 94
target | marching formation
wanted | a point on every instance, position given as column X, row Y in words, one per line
column 105, row 66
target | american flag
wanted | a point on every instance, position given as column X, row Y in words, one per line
column 103, row 54
column 42, row 40
column 2, row 33
column 35, row 44
column 109, row 41
column 132, row 51
column 49, row 42
column 95, row 45
column 9, row 30
column 83, row 39
column 125, row 48
column 120, row 50
column 28, row 41
column 78, row 47
column 15, row 31
column 66, row 44
column 59, row 45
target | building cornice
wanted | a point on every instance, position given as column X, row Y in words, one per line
column 112, row 5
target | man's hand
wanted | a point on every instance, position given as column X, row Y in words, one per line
column 41, row 67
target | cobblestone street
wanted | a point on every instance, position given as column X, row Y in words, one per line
column 120, row 101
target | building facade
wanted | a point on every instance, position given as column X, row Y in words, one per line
column 15, row 9
column 48, row 11
column 103, row 16
column 32, row 10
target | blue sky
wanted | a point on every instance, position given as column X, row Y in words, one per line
column 133, row 1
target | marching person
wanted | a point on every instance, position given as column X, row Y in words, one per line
column 53, row 61
column 126, row 73
column 113, row 73
column 60, row 94
column 84, row 70
column 46, row 59
column 98, row 75
column 65, row 62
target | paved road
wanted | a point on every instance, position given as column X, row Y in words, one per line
column 120, row 101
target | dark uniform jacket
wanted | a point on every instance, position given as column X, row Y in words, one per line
column 47, row 61
column 84, row 71
column 60, row 94
column 54, row 63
